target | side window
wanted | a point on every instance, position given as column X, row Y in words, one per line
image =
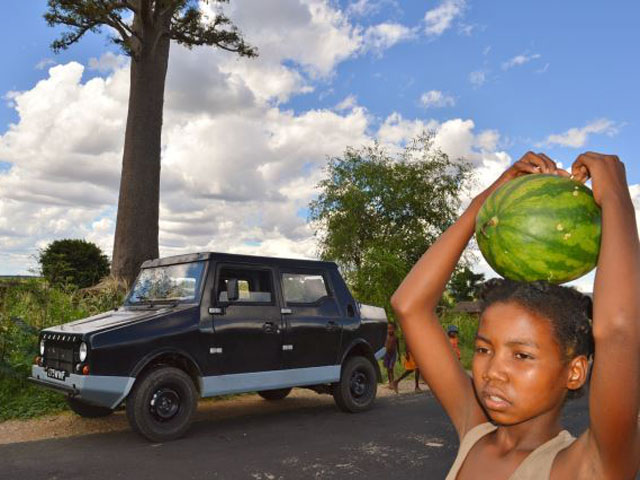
column 303, row 287
column 254, row 286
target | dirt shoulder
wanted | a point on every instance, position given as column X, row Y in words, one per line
column 68, row 424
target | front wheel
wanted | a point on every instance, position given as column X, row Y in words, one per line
column 87, row 410
column 277, row 394
column 161, row 404
column 358, row 385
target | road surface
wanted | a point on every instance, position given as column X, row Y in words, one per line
column 405, row 436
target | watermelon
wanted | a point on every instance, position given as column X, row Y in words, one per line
column 540, row 227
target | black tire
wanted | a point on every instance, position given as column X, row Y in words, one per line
column 161, row 404
column 358, row 385
column 277, row 394
column 87, row 410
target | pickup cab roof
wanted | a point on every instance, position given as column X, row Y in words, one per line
column 231, row 257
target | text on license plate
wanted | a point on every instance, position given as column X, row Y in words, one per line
column 57, row 374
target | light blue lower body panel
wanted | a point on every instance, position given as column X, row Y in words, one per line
column 381, row 353
column 104, row 391
column 257, row 381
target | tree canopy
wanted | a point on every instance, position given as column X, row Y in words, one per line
column 465, row 284
column 378, row 212
column 137, row 24
column 73, row 261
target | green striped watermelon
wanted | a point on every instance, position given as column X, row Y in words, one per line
column 540, row 227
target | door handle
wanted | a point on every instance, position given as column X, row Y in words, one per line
column 270, row 327
column 331, row 325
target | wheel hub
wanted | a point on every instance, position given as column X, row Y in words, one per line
column 358, row 384
column 165, row 403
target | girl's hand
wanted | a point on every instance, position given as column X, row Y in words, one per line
column 529, row 163
column 607, row 174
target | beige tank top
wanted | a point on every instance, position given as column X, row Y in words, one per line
column 537, row 466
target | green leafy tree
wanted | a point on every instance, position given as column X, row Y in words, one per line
column 465, row 284
column 75, row 262
column 143, row 29
column 377, row 213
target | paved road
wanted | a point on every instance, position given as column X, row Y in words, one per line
column 405, row 437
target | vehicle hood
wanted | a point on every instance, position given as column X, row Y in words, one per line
column 114, row 318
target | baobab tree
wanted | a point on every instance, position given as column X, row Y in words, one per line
column 143, row 29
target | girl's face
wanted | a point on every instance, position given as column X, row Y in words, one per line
column 518, row 368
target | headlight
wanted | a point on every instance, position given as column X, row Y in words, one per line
column 42, row 347
column 83, row 351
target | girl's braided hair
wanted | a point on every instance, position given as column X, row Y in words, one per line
column 569, row 311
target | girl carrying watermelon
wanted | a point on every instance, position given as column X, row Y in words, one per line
column 533, row 346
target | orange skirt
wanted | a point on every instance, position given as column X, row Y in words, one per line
column 409, row 364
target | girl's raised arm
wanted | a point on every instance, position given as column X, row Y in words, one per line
column 614, row 402
column 415, row 301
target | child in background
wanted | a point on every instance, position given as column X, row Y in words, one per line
column 392, row 346
column 452, row 334
column 533, row 347
column 409, row 367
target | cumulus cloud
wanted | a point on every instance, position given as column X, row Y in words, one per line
column 440, row 18
column 378, row 38
column 436, row 99
column 238, row 170
column 578, row 137
column 519, row 60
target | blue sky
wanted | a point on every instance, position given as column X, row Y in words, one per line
column 493, row 78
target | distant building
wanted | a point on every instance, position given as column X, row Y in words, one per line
column 473, row 308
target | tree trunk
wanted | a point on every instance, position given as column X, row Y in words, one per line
column 136, row 236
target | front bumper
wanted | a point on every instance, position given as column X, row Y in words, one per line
column 104, row 391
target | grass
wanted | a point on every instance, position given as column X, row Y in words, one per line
column 28, row 305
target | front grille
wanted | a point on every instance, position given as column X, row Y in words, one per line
column 60, row 355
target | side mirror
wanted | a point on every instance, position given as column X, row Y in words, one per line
column 232, row 290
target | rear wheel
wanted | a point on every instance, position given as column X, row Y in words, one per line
column 358, row 385
column 87, row 410
column 277, row 394
column 161, row 404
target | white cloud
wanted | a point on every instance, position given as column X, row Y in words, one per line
column 364, row 8
column 347, row 104
column 466, row 29
column 436, row 99
column 440, row 19
column 108, row 62
column 478, row 78
column 378, row 38
column 44, row 63
column 578, row 137
column 519, row 60
column 310, row 33
column 237, row 169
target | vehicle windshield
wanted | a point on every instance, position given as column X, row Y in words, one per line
column 170, row 283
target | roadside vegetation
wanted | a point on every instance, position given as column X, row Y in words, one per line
column 26, row 307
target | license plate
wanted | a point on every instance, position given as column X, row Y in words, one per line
column 57, row 374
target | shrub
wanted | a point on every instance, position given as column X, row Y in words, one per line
column 71, row 261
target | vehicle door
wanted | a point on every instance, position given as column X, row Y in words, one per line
column 248, row 330
column 312, row 319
